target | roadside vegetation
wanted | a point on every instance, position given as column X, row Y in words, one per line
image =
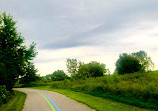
column 97, row 103
column 139, row 89
column 16, row 103
column 136, row 89
column 4, row 95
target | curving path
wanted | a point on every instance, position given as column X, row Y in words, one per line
column 42, row 100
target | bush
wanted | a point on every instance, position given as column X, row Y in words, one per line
column 59, row 75
column 127, row 64
column 92, row 69
column 134, row 62
column 4, row 95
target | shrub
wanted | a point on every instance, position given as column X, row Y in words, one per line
column 134, row 62
column 4, row 95
column 127, row 64
column 59, row 75
column 92, row 69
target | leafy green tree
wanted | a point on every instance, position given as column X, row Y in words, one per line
column 134, row 62
column 72, row 66
column 92, row 69
column 127, row 64
column 14, row 56
column 144, row 60
column 30, row 75
column 59, row 75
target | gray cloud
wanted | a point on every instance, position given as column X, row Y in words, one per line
column 58, row 24
column 64, row 44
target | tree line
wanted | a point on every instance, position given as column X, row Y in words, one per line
column 126, row 63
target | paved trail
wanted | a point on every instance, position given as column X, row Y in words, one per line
column 42, row 100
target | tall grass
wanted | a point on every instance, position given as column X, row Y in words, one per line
column 140, row 89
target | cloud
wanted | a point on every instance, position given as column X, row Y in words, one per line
column 85, row 28
column 110, row 22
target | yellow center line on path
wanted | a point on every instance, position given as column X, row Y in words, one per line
column 48, row 102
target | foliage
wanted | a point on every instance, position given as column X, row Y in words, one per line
column 72, row 66
column 144, row 60
column 59, row 75
column 15, row 57
column 138, row 89
column 48, row 76
column 127, row 64
column 92, row 69
column 16, row 103
column 41, row 81
column 30, row 75
column 4, row 95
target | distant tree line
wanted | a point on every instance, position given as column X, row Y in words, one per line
column 82, row 70
column 79, row 70
column 127, row 63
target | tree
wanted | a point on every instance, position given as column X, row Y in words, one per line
column 127, row 64
column 14, row 56
column 92, row 69
column 72, row 66
column 134, row 62
column 59, row 75
column 144, row 60
column 108, row 71
column 30, row 74
column 48, row 76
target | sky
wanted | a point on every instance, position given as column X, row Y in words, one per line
column 87, row 30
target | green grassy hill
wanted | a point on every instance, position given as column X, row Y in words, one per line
column 139, row 89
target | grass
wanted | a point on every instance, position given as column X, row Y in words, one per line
column 139, row 89
column 16, row 103
column 94, row 102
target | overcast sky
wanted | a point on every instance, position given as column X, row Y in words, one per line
column 88, row 30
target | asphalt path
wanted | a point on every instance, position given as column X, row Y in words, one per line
column 42, row 100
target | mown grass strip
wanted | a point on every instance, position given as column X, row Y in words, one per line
column 93, row 102
column 16, row 103
column 48, row 102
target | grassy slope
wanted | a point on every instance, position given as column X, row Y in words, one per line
column 16, row 103
column 97, row 103
column 139, row 89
